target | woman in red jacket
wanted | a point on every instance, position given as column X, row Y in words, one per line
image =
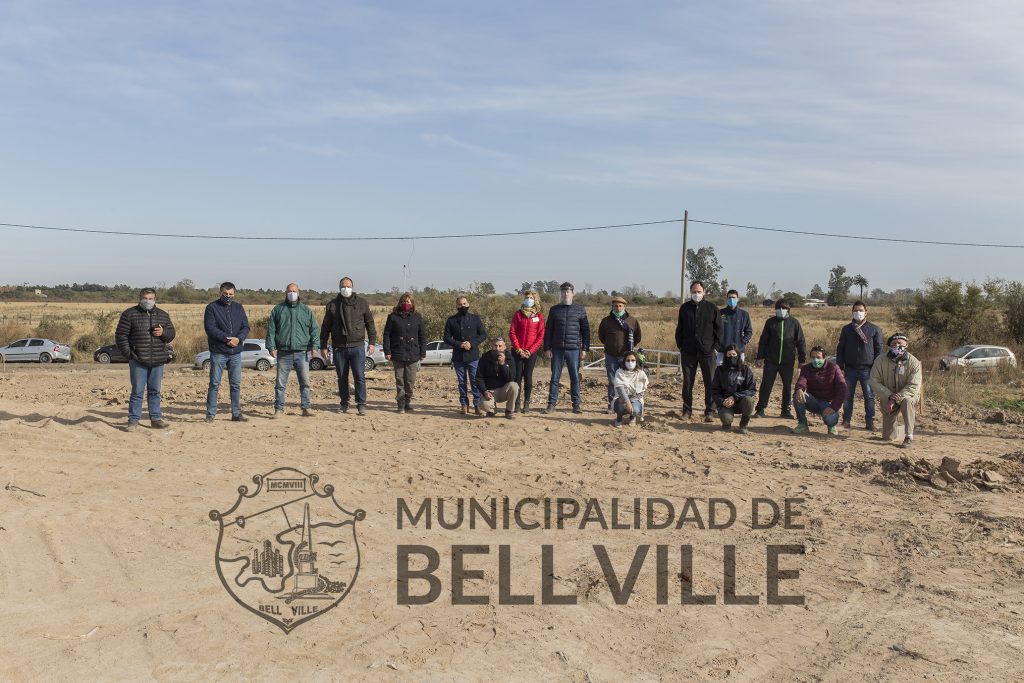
column 526, row 336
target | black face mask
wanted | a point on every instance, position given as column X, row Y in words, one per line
column 463, row 310
column 733, row 361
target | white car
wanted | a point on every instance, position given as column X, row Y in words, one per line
column 35, row 351
column 318, row 363
column 254, row 355
column 438, row 353
column 977, row 357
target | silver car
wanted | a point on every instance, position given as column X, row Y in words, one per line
column 318, row 363
column 977, row 357
column 35, row 351
column 254, row 355
column 438, row 353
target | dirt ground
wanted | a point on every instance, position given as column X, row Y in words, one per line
column 108, row 568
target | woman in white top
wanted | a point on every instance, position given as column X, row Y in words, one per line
column 630, row 383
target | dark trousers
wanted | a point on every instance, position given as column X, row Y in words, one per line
column 744, row 406
column 524, row 375
column 785, row 372
column 352, row 359
column 405, row 380
column 707, row 371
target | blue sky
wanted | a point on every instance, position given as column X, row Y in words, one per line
column 316, row 119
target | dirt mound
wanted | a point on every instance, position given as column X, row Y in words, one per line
column 979, row 475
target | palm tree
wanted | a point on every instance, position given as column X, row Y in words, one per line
column 862, row 282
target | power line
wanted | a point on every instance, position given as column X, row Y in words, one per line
column 861, row 237
column 373, row 238
column 376, row 238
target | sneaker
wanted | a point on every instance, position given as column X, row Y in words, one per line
column 464, row 410
column 787, row 415
column 743, row 430
column 361, row 410
column 278, row 413
column 209, row 419
column 510, row 415
column 708, row 419
column 847, row 425
column 160, row 424
column 833, row 431
column 131, row 426
column 631, row 420
column 478, row 411
column 409, row 408
column 401, row 410
column 239, row 418
column 611, row 408
column 687, row 414
column 908, row 442
column 759, row 412
column 800, row 428
column 870, row 425
column 343, row 409
column 550, row 409
column 577, row 409
column 526, row 407
column 617, row 424
column 306, row 412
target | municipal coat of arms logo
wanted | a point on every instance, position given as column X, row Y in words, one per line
column 288, row 551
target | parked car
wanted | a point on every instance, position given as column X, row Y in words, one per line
column 977, row 357
column 371, row 362
column 108, row 354
column 35, row 351
column 438, row 353
column 254, row 355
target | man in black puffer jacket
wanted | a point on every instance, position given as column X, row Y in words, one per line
column 143, row 335
column 566, row 342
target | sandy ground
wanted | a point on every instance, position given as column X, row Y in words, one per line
column 108, row 567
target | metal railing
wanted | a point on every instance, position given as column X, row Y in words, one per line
column 656, row 359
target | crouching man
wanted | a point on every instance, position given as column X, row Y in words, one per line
column 820, row 389
column 496, row 379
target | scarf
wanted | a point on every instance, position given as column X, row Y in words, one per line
column 626, row 328
column 860, row 332
column 343, row 314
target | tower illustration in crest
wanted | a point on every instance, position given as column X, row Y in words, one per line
column 306, row 575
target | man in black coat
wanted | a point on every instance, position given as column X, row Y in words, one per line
column 143, row 335
column 227, row 328
column 860, row 343
column 464, row 332
column 698, row 338
column 496, row 379
column 348, row 323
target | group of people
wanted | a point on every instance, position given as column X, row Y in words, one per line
column 711, row 339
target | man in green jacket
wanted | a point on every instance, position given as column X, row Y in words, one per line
column 292, row 332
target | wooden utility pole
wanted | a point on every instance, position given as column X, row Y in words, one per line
column 682, row 270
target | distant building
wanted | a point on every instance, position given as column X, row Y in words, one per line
column 815, row 303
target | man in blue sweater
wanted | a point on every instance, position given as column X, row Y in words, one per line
column 226, row 326
column 736, row 327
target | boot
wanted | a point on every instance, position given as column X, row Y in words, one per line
column 464, row 410
column 759, row 413
column 870, row 426
column 743, row 425
column 526, row 406
column 479, row 411
column 519, row 404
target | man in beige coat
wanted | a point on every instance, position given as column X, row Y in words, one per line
column 896, row 381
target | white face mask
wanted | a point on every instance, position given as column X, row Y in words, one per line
column 147, row 304
column 630, row 364
column 292, row 296
column 859, row 315
column 781, row 313
column 697, row 297
column 346, row 292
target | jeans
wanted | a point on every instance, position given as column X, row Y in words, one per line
column 620, row 408
column 853, row 376
column 148, row 380
column 405, row 380
column 233, row 363
column 560, row 358
column 611, row 364
column 707, row 371
column 286, row 360
column 461, row 372
column 818, row 408
column 768, row 381
column 353, row 359
column 524, row 376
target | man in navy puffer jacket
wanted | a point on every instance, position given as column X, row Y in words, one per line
column 227, row 327
column 566, row 342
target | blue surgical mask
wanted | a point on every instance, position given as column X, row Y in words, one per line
column 733, row 302
column 781, row 313
column 528, row 302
